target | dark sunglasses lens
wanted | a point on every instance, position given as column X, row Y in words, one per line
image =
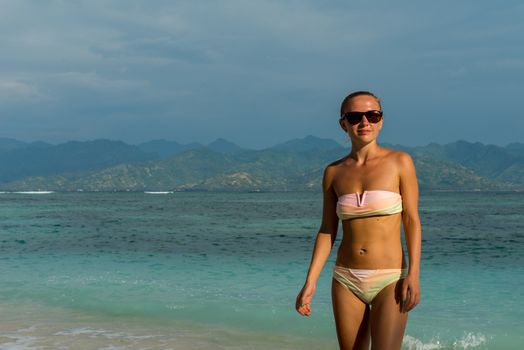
column 356, row 117
column 353, row 117
column 373, row 116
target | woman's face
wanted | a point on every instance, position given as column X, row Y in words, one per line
column 364, row 131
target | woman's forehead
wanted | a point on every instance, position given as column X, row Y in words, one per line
column 362, row 101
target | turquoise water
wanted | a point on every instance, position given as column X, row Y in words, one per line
column 221, row 271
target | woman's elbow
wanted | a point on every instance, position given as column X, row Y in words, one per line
column 411, row 222
column 327, row 234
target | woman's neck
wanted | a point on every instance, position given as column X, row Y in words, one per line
column 363, row 153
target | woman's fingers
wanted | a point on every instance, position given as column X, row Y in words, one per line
column 412, row 300
column 410, row 294
column 303, row 301
column 302, row 305
column 304, row 309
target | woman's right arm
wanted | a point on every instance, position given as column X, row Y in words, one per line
column 323, row 244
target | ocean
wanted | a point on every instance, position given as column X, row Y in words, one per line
column 221, row 271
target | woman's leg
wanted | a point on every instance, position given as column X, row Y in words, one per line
column 351, row 318
column 386, row 321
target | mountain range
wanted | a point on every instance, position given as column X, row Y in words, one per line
column 295, row 165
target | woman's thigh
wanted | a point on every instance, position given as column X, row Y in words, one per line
column 351, row 318
column 386, row 320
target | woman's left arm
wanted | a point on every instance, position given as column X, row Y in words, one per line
column 412, row 231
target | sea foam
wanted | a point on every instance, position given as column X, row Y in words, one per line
column 467, row 341
column 34, row 192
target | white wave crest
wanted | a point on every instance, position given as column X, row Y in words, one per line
column 470, row 341
column 412, row 343
column 467, row 341
column 34, row 192
column 158, row 192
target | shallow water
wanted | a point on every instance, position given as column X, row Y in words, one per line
column 221, row 271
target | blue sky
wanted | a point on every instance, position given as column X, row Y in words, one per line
column 259, row 72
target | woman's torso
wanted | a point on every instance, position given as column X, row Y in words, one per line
column 371, row 242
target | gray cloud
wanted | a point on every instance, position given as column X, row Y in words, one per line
column 257, row 72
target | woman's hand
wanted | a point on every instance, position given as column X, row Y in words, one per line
column 303, row 302
column 410, row 296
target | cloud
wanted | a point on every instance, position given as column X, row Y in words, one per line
column 94, row 81
column 197, row 70
column 19, row 91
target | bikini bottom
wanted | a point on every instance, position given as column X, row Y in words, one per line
column 366, row 283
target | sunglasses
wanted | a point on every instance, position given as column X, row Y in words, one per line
column 356, row 117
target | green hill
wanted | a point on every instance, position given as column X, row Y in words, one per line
column 294, row 167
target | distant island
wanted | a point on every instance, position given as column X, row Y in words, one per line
column 296, row 165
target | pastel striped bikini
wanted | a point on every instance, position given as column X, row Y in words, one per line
column 367, row 283
column 369, row 203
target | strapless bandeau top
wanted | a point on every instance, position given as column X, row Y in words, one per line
column 369, row 203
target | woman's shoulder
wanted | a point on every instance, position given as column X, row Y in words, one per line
column 396, row 155
column 333, row 168
column 335, row 165
column 401, row 160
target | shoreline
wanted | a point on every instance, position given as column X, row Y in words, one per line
column 57, row 327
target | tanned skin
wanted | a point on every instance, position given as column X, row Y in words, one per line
column 368, row 243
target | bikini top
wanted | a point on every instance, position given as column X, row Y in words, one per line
column 369, row 203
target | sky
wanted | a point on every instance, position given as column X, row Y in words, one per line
column 259, row 72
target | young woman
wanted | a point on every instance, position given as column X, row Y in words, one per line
column 372, row 191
